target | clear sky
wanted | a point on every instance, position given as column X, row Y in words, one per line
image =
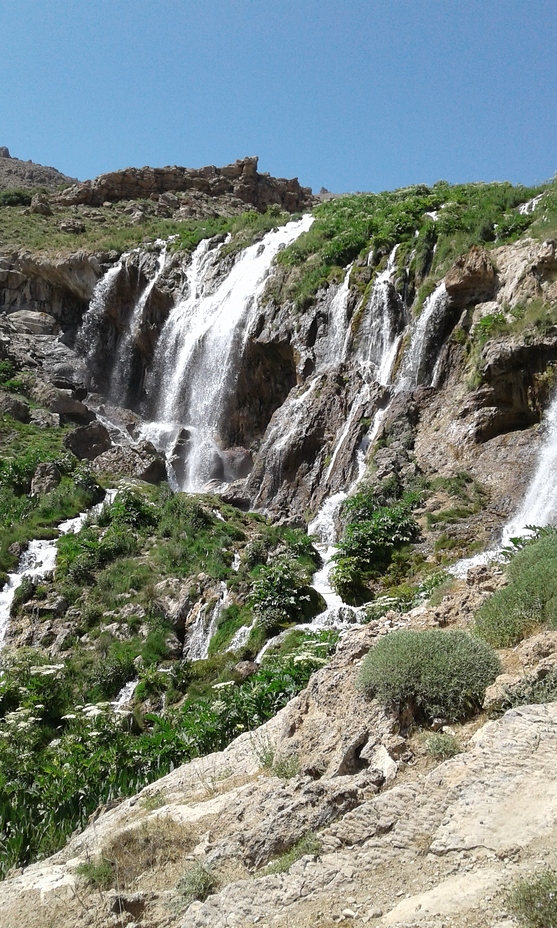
column 348, row 94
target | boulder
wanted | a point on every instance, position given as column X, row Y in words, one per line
column 72, row 226
column 40, row 205
column 88, row 441
column 63, row 402
column 25, row 320
column 471, row 279
column 14, row 406
column 46, row 478
column 141, row 461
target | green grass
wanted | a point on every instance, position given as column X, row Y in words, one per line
column 528, row 601
column 118, row 233
column 309, row 844
column 349, row 227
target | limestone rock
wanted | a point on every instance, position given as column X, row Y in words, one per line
column 40, row 205
column 46, row 478
column 14, row 406
column 239, row 180
column 141, row 461
column 26, row 320
column 471, row 278
column 88, row 441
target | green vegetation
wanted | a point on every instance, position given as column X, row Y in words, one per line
column 98, row 873
column 110, row 228
column 350, row 227
column 22, row 517
column 442, row 746
column 197, row 882
column 59, row 759
column 534, row 900
column 309, row 844
column 431, row 673
column 373, row 537
column 530, row 598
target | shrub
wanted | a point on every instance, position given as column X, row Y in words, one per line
column 442, row 745
column 433, row 673
column 534, row 901
column 279, row 594
column 99, row 873
column 529, row 599
column 197, row 883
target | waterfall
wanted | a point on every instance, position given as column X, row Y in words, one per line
column 413, row 371
column 539, row 503
column 382, row 338
column 196, row 356
column 90, row 341
column 39, row 560
column 337, row 327
column 205, row 627
column 122, row 365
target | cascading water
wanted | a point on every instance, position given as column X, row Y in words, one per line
column 121, row 368
column 539, row 504
column 39, row 560
column 413, row 370
column 89, row 341
column 205, row 627
column 195, row 359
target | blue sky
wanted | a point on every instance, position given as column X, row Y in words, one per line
column 348, row 94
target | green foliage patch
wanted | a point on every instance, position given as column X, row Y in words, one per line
column 528, row 601
column 348, row 227
column 432, row 673
column 534, row 900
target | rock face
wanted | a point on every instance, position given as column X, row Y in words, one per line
column 471, row 278
column 141, row 461
column 240, row 180
column 89, row 441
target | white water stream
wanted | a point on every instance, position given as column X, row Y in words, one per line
column 539, row 504
column 195, row 359
column 39, row 560
column 121, row 370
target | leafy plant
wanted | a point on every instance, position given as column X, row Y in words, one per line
column 431, row 673
column 442, row 745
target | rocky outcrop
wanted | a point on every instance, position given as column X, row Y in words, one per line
column 61, row 287
column 471, row 279
column 141, row 461
column 88, row 442
column 240, row 180
column 17, row 173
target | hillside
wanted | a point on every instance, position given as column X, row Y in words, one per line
column 286, row 425
column 15, row 173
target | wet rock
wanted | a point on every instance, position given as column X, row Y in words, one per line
column 246, row 669
column 46, row 478
column 88, row 442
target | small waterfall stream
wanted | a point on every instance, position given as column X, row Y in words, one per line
column 39, row 560
column 539, row 504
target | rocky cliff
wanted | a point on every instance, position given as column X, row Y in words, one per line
column 382, row 369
